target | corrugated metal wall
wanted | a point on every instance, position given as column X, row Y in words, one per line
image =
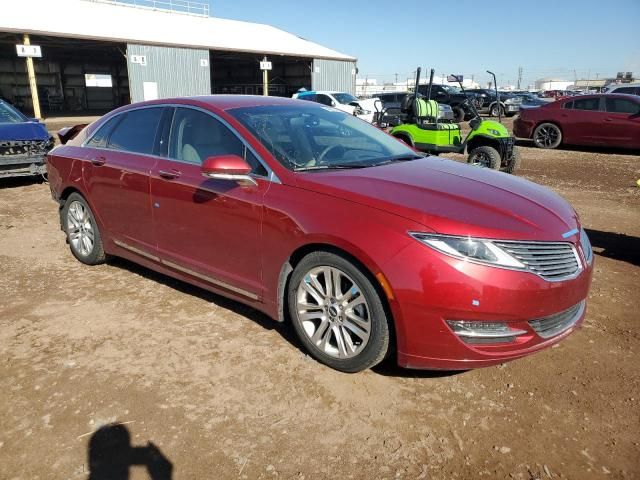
column 334, row 75
column 175, row 71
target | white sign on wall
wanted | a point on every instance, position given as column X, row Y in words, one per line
column 139, row 59
column 265, row 66
column 150, row 90
column 29, row 51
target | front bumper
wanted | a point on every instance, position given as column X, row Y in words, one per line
column 22, row 165
column 447, row 288
column 512, row 107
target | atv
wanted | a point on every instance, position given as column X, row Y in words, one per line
column 420, row 125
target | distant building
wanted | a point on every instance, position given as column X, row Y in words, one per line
column 549, row 83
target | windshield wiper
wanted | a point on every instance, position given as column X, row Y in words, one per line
column 336, row 166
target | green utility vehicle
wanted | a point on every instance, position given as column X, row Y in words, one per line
column 488, row 144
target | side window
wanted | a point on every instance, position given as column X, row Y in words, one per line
column 568, row 105
column 624, row 90
column 622, row 105
column 196, row 135
column 587, row 104
column 311, row 97
column 324, row 99
column 136, row 132
column 99, row 139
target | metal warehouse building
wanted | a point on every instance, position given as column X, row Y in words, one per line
column 100, row 54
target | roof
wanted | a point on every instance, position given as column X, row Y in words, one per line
column 109, row 22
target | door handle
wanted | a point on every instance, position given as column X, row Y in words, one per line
column 98, row 161
column 169, row 174
column 608, row 120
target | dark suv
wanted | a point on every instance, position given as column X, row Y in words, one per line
column 487, row 102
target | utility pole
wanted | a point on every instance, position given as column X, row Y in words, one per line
column 519, row 77
column 32, row 81
column 396, row 77
column 265, row 78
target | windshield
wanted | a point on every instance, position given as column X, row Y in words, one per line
column 452, row 89
column 344, row 98
column 314, row 137
column 8, row 114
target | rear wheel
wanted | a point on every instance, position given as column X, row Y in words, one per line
column 513, row 162
column 547, row 135
column 485, row 156
column 82, row 231
column 337, row 313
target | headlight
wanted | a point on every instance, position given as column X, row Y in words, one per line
column 512, row 101
column 467, row 248
column 586, row 246
column 493, row 131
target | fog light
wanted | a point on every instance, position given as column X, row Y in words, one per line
column 484, row 332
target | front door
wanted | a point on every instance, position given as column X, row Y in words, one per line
column 207, row 228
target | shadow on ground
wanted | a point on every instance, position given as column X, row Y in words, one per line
column 388, row 368
column 617, row 246
column 111, row 455
column 16, row 182
column 523, row 142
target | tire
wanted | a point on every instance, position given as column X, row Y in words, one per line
column 81, row 228
column 495, row 109
column 513, row 163
column 458, row 114
column 325, row 325
column 547, row 135
column 486, row 156
column 404, row 139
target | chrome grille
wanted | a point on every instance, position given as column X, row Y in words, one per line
column 552, row 261
column 553, row 325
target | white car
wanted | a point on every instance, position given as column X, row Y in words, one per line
column 364, row 109
column 630, row 88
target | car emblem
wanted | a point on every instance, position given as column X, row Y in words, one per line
column 570, row 233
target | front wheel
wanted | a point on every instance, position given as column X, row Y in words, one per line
column 485, row 156
column 547, row 135
column 496, row 110
column 458, row 114
column 337, row 313
column 513, row 162
column 82, row 231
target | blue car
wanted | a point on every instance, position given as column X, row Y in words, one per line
column 24, row 143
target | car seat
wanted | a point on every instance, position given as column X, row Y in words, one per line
column 199, row 138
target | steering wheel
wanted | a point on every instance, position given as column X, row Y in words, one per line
column 325, row 152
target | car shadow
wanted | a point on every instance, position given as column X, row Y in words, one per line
column 387, row 368
column 617, row 246
column 111, row 455
column 524, row 142
column 252, row 314
column 24, row 181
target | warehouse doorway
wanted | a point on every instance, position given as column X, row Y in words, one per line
column 74, row 77
column 240, row 74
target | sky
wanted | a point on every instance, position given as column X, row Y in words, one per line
column 563, row 38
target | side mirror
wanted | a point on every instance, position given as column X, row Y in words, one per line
column 228, row 167
column 333, row 103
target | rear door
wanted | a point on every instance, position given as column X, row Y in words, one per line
column 621, row 126
column 117, row 176
column 581, row 124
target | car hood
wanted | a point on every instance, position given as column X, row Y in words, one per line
column 452, row 198
column 23, row 131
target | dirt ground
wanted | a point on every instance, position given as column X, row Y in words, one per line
column 183, row 384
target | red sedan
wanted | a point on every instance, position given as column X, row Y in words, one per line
column 611, row 120
column 316, row 217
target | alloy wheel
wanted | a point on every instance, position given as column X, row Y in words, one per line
column 80, row 228
column 546, row 136
column 333, row 312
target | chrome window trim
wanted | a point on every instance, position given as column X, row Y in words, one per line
column 573, row 276
column 271, row 175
